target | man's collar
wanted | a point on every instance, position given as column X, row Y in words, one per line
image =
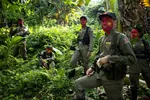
column 111, row 32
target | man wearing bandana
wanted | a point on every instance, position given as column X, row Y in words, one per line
column 109, row 67
column 142, row 52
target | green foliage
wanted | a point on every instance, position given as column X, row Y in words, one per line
column 55, row 36
column 147, row 37
column 114, row 8
column 63, row 11
column 6, row 50
column 21, row 80
column 26, row 79
column 3, row 36
column 143, row 90
column 113, row 5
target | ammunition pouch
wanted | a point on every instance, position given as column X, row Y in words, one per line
column 114, row 71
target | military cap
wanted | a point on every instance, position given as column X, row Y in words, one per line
column 140, row 29
column 83, row 16
column 109, row 14
column 20, row 19
column 48, row 46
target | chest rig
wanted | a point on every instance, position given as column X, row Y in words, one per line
column 114, row 71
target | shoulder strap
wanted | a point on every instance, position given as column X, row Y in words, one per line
column 146, row 46
column 87, row 30
column 114, row 44
column 101, row 41
column 86, row 38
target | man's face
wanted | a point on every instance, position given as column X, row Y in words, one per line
column 48, row 50
column 134, row 33
column 83, row 21
column 107, row 23
column 20, row 22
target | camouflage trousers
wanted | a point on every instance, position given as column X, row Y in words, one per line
column 134, row 83
column 20, row 48
column 80, row 55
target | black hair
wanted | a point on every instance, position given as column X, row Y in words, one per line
column 84, row 17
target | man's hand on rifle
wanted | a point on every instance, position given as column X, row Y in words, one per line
column 90, row 72
column 45, row 65
column 89, row 54
column 49, row 59
column 102, row 61
column 44, row 61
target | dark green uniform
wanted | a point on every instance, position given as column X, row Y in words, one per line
column 21, row 46
column 142, row 66
column 111, row 76
column 82, row 49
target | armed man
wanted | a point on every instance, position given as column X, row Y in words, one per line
column 47, row 57
column 85, row 45
column 22, row 31
column 142, row 52
column 114, row 54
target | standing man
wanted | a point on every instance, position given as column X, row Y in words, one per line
column 142, row 51
column 115, row 53
column 85, row 44
column 22, row 31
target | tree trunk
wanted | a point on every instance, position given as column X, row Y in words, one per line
column 132, row 12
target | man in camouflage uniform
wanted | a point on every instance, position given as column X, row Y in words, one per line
column 85, row 44
column 115, row 53
column 22, row 31
column 47, row 57
column 142, row 52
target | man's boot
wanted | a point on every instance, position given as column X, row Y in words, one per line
column 133, row 94
column 71, row 73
